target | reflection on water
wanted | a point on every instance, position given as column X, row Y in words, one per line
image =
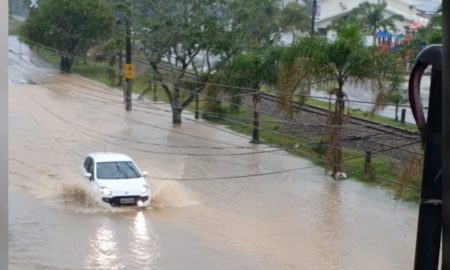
column 111, row 249
column 104, row 250
column 144, row 247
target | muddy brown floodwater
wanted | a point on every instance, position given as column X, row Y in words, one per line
column 300, row 219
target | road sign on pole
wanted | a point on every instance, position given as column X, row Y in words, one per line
column 130, row 73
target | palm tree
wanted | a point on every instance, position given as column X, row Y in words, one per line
column 344, row 61
column 396, row 97
column 251, row 71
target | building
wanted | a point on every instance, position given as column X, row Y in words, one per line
column 414, row 11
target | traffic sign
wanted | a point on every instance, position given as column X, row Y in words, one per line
column 130, row 73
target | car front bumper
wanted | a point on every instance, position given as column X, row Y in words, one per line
column 127, row 200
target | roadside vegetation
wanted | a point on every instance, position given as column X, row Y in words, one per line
column 14, row 26
column 226, row 50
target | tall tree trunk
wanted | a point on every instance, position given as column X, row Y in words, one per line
column 176, row 109
column 154, row 92
column 337, row 133
column 256, row 104
column 176, row 115
column 66, row 64
column 197, row 112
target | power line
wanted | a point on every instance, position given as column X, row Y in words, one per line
column 253, row 90
column 392, row 181
column 226, row 118
column 297, row 137
column 251, row 175
column 240, row 104
column 296, row 169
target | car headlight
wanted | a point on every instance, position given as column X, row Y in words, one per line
column 144, row 189
column 105, row 191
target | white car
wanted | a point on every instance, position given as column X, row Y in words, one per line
column 117, row 178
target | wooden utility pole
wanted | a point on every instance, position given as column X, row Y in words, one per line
column 129, row 69
column 446, row 138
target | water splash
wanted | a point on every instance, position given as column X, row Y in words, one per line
column 172, row 195
column 82, row 198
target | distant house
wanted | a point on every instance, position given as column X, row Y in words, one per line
column 414, row 11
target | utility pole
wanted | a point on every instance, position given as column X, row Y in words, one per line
column 446, row 138
column 129, row 68
column 313, row 17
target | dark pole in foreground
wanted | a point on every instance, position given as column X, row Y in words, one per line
column 429, row 229
column 446, row 138
column 313, row 17
column 128, row 62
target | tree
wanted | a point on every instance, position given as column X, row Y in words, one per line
column 187, row 35
column 196, row 37
column 256, row 21
column 396, row 97
column 251, row 71
column 344, row 61
column 432, row 33
column 294, row 17
column 68, row 26
column 113, row 47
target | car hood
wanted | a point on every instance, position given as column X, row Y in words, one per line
column 124, row 187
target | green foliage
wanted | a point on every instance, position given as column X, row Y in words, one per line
column 432, row 33
column 251, row 70
column 256, row 22
column 294, row 17
column 14, row 26
column 68, row 26
column 199, row 37
column 346, row 59
column 247, row 72
column 343, row 61
column 189, row 34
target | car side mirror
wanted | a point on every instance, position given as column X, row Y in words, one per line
column 144, row 173
column 88, row 175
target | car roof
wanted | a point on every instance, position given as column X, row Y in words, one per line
column 109, row 156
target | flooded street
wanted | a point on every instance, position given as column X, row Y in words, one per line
column 218, row 201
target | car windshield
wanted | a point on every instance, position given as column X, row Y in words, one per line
column 117, row 170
